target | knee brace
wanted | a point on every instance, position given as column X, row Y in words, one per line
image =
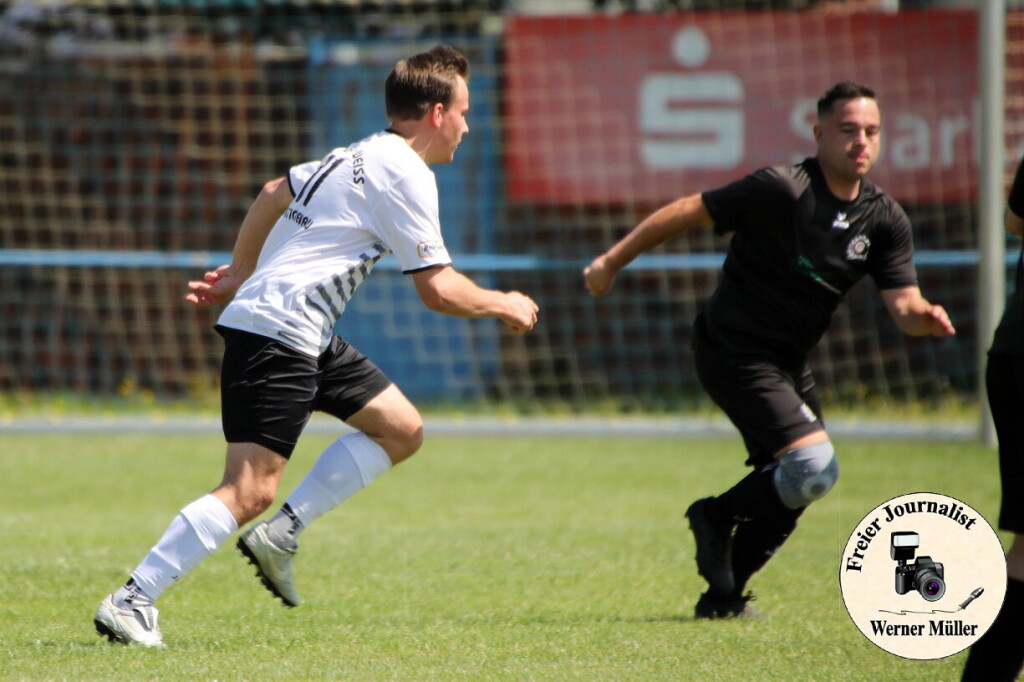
column 806, row 474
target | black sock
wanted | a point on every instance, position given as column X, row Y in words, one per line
column 753, row 497
column 130, row 594
column 757, row 540
column 999, row 654
column 283, row 527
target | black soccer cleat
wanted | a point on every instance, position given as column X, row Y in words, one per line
column 716, row 607
column 714, row 548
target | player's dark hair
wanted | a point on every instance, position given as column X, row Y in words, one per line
column 843, row 90
column 421, row 81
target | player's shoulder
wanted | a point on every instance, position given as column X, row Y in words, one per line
column 872, row 193
column 790, row 180
column 884, row 211
column 390, row 147
column 390, row 158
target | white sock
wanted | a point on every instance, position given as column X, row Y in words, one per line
column 193, row 535
column 348, row 465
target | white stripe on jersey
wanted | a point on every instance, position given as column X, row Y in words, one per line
column 353, row 208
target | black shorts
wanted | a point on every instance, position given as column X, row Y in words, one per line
column 269, row 390
column 1004, row 378
column 771, row 402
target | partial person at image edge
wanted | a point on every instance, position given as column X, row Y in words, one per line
column 998, row 656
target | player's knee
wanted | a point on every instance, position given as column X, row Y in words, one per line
column 249, row 501
column 258, row 498
column 412, row 441
column 402, row 442
column 806, row 474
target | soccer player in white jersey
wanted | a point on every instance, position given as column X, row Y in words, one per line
column 308, row 241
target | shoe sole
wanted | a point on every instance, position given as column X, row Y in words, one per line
column 695, row 514
column 745, row 614
column 103, row 630
column 724, row 608
column 267, row 582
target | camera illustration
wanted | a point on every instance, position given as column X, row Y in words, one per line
column 923, row 575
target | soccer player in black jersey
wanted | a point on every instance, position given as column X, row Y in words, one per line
column 999, row 654
column 802, row 235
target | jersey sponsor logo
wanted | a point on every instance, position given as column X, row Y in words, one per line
column 358, row 167
column 430, row 249
column 840, row 223
column 857, row 249
column 298, row 217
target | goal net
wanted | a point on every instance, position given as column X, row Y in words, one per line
column 134, row 135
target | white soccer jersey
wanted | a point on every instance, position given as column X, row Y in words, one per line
column 351, row 209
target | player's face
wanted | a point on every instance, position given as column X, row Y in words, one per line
column 849, row 139
column 453, row 123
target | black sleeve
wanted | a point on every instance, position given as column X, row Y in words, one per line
column 745, row 202
column 894, row 267
column 1016, row 199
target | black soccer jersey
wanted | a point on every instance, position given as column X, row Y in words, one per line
column 796, row 251
column 1009, row 336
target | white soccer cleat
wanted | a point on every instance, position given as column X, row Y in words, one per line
column 134, row 625
column 273, row 564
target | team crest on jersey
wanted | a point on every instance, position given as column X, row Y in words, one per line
column 430, row 249
column 840, row 223
column 857, row 249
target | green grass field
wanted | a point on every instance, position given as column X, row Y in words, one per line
column 479, row 559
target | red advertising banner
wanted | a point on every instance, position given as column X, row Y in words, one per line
column 644, row 108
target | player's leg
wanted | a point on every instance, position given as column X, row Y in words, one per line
column 389, row 429
column 803, row 471
column 267, row 391
column 766, row 523
column 758, row 539
column 762, row 524
column 247, row 489
column 251, row 475
column 777, row 412
column 999, row 654
column 1015, row 558
column 129, row 614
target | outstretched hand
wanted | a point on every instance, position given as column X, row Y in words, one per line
column 217, row 287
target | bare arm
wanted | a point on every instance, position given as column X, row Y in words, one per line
column 447, row 291
column 221, row 284
column 915, row 315
column 667, row 222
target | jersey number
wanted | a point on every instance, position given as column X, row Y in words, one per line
column 317, row 179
